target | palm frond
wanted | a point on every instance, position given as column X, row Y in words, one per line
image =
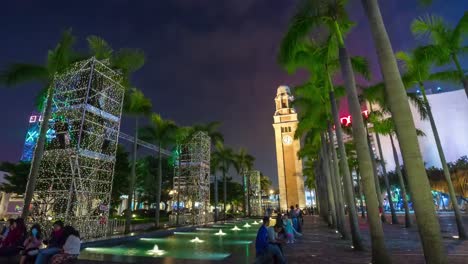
column 136, row 103
column 445, row 76
column 420, row 105
column 361, row 66
column 128, row 60
column 20, row 73
column 461, row 29
column 420, row 133
column 60, row 58
column 99, row 47
column 428, row 25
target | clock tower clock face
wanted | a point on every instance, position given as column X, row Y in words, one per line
column 287, row 140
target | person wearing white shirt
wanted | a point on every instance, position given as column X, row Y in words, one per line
column 71, row 248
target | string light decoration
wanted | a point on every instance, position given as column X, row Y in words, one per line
column 193, row 177
column 255, row 193
column 76, row 172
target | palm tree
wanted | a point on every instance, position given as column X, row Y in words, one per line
column 313, row 123
column 136, row 105
column 428, row 224
column 322, row 62
column 162, row 133
column 385, row 127
column 58, row 61
column 225, row 158
column 243, row 164
column 331, row 15
column 212, row 129
column 447, row 43
column 417, row 66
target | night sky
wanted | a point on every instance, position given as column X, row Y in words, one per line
column 207, row 60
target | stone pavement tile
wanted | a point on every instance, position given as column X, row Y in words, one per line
column 323, row 245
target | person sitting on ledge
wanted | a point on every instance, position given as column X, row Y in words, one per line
column 31, row 245
column 10, row 245
column 71, row 248
column 6, row 228
column 54, row 244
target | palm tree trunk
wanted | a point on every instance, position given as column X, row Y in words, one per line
column 322, row 206
column 327, row 172
column 249, row 208
column 402, row 185
column 347, row 180
column 461, row 73
column 378, row 190
column 178, row 184
column 224, row 193
column 387, row 183
column 379, row 251
column 38, row 154
column 216, row 197
column 158, row 185
column 128, row 215
column 336, row 185
column 361, row 200
column 428, row 224
column 458, row 218
column 244, row 183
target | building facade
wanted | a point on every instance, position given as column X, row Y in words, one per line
column 290, row 178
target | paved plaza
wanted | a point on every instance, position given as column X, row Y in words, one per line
column 323, row 245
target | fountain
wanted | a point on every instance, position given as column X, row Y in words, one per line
column 156, row 251
column 196, row 240
column 235, row 228
column 247, row 225
column 255, row 223
column 220, row 233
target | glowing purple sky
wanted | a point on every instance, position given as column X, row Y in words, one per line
column 206, row 59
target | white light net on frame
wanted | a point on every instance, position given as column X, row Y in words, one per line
column 193, row 178
column 76, row 172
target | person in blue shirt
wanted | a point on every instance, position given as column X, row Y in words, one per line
column 261, row 243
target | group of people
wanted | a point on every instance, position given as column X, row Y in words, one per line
column 269, row 241
column 61, row 246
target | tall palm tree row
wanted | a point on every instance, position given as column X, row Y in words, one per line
column 418, row 65
column 428, row 225
column 331, row 16
column 322, row 61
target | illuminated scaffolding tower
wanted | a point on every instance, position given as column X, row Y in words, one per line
column 76, row 172
column 255, row 196
column 193, row 178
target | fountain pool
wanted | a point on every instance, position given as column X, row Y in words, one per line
column 215, row 243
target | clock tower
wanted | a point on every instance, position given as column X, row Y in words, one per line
column 290, row 179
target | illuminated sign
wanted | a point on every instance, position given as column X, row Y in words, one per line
column 346, row 121
column 35, row 118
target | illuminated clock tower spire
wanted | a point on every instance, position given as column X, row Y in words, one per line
column 290, row 179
